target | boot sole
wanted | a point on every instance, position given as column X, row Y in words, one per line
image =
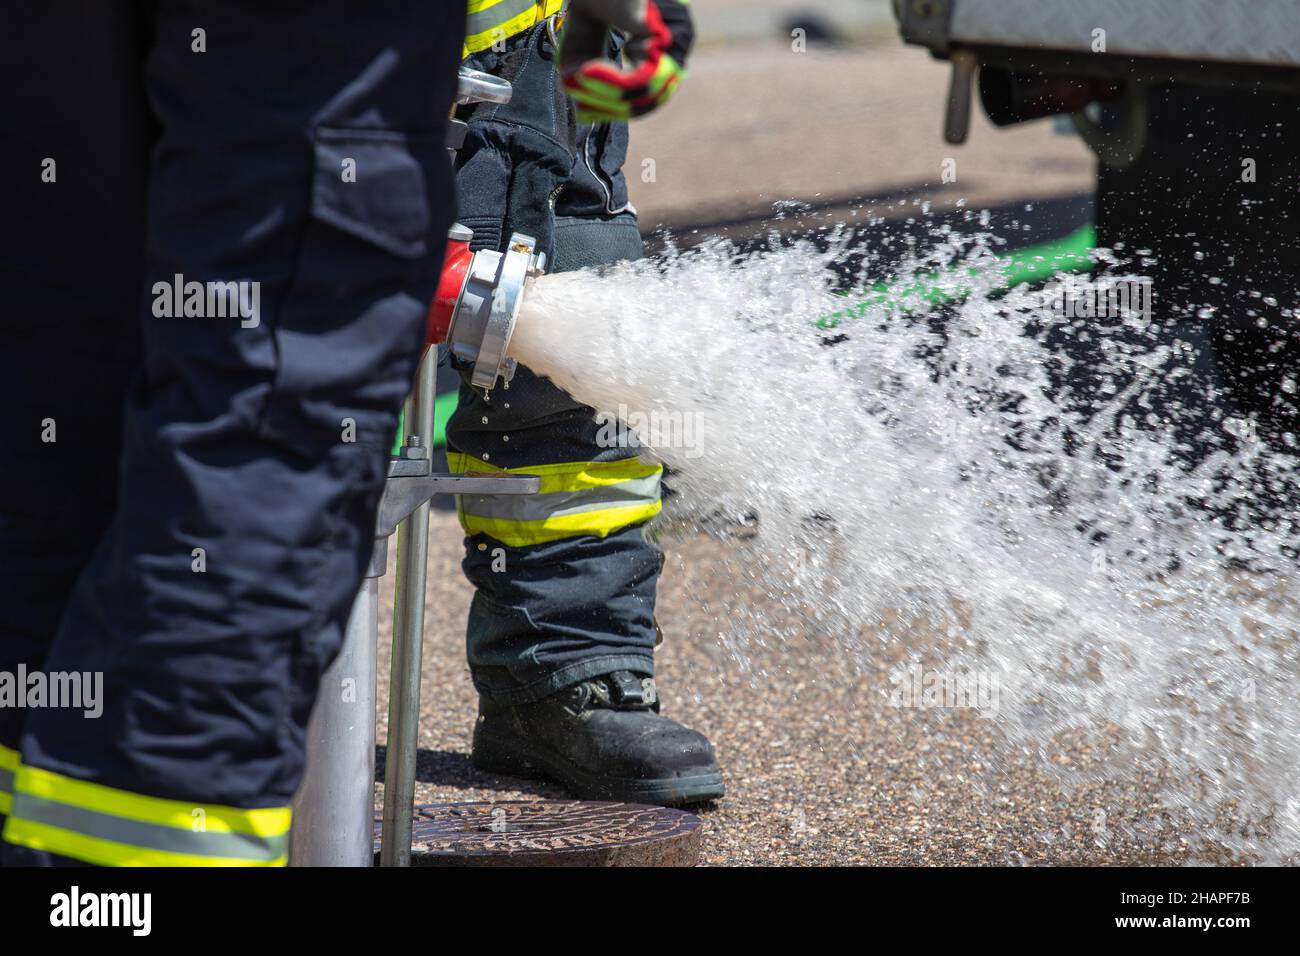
column 493, row 754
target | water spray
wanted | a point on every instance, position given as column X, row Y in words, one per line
column 945, row 495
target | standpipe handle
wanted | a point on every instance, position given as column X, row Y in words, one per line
column 474, row 86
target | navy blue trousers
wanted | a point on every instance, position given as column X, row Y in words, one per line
column 565, row 580
column 187, row 501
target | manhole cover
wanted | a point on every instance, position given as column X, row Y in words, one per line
column 552, row 833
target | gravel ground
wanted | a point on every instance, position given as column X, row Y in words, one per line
column 819, row 768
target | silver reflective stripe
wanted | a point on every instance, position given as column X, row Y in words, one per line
column 6, row 781
column 495, row 16
column 149, row 836
column 635, row 491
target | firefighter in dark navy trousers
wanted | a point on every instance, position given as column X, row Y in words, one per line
column 561, row 640
column 222, row 224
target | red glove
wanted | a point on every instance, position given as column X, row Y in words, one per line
column 655, row 54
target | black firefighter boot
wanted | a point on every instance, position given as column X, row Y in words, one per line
column 603, row 739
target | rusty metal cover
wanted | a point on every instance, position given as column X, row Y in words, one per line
column 553, row 833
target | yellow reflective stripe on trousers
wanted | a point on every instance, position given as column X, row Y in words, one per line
column 8, row 767
column 490, row 21
column 111, row 827
column 576, row 499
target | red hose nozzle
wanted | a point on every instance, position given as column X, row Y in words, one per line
column 455, row 267
column 478, row 300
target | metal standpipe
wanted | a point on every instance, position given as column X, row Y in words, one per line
column 338, row 788
column 408, row 636
column 333, row 811
column 333, row 823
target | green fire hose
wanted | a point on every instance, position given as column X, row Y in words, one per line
column 1031, row 264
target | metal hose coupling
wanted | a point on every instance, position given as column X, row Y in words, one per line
column 478, row 299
